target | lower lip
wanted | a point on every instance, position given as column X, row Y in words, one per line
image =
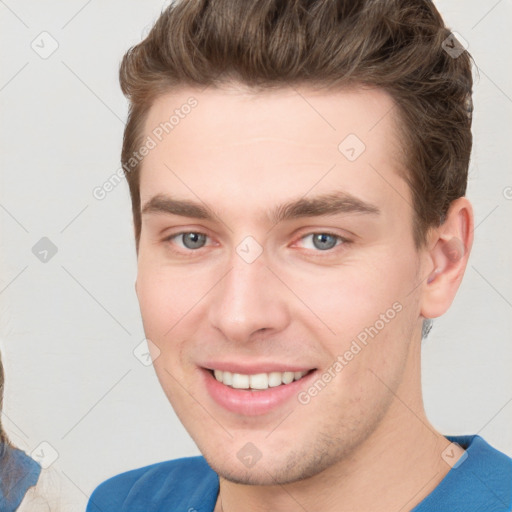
column 253, row 403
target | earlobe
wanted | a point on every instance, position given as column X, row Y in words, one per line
column 451, row 244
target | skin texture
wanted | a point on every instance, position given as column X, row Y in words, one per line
column 364, row 441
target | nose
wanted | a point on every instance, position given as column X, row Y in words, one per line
column 247, row 301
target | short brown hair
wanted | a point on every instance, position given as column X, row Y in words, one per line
column 401, row 46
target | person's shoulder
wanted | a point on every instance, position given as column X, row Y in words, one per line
column 481, row 448
column 480, row 480
column 185, row 484
column 488, row 465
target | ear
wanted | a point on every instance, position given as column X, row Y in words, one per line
column 450, row 245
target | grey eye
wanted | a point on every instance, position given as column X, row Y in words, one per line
column 324, row 241
column 193, row 240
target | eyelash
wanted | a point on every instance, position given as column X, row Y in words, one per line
column 328, row 252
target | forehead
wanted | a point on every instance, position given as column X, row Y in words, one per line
column 295, row 114
column 232, row 140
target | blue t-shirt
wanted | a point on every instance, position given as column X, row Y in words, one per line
column 480, row 481
column 18, row 472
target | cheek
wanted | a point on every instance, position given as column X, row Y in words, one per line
column 347, row 300
column 164, row 301
column 166, row 296
column 362, row 313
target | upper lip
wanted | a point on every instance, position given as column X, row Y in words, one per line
column 254, row 368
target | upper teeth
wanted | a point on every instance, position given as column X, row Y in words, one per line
column 257, row 381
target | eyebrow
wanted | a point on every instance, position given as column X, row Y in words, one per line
column 322, row 205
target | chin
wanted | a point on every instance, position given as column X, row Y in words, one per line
column 272, row 471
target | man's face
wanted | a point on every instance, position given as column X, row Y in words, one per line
column 260, row 288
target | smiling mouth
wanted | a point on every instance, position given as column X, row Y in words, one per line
column 258, row 381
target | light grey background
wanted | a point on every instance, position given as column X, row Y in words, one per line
column 69, row 326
